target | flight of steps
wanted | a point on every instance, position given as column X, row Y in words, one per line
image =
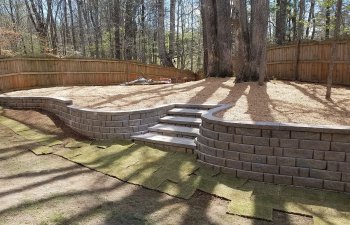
column 177, row 130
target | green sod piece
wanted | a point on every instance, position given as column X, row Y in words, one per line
column 206, row 172
column 143, row 176
column 35, row 136
column 108, row 143
column 52, row 142
column 230, row 180
column 42, row 150
column 301, row 195
column 272, row 190
column 77, row 144
column 250, row 208
column 13, row 125
column 334, row 220
column 337, row 200
column 178, row 190
column 213, row 186
column 180, row 170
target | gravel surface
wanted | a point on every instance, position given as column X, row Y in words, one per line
column 279, row 101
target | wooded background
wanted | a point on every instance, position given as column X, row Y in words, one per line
column 172, row 32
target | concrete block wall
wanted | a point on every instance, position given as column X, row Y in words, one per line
column 289, row 154
column 95, row 124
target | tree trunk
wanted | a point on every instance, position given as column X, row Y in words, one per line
column 172, row 29
column 300, row 31
column 72, row 25
column 218, row 37
column 224, row 38
column 129, row 35
column 328, row 21
column 311, row 17
column 253, row 39
column 281, row 21
column 117, row 44
column 164, row 56
column 334, row 48
column 81, row 27
column 142, row 33
column 294, row 19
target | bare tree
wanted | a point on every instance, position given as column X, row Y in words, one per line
column 165, row 58
column 281, row 21
column 334, row 48
column 217, row 37
column 253, row 38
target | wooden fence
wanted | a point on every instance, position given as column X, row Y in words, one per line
column 309, row 62
column 23, row 73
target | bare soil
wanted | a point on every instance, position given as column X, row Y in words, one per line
column 279, row 101
column 51, row 190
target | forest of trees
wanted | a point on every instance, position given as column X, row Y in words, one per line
column 186, row 34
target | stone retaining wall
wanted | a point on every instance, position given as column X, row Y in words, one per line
column 290, row 154
column 95, row 124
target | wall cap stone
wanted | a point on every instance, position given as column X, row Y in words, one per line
column 210, row 117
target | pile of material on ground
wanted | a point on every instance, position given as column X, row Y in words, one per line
column 145, row 81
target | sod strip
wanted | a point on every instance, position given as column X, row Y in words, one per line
column 179, row 175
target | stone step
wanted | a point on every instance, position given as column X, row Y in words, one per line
column 181, row 120
column 159, row 139
column 187, row 112
column 168, row 129
column 196, row 106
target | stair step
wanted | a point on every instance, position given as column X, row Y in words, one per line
column 174, row 129
column 196, row 106
column 190, row 121
column 156, row 138
column 187, row 112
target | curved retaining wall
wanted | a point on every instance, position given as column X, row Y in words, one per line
column 95, row 124
column 290, row 154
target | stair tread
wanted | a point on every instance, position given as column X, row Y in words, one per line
column 175, row 129
column 182, row 119
column 168, row 140
column 187, row 111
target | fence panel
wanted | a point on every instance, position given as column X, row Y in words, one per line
column 23, row 73
column 311, row 64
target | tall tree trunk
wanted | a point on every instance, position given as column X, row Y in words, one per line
column 218, row 30
column 172, row 29
column 300, row 31
column 253, row 38
column 294, row 19
column 328, row 21
column 164, row 56
column 129, row 35
column 142, row 33
column 40, row 23
column 334, row 48
column 205, row 42
column 74, row 42
column 117, row 44
column 81, row 27
column 224, row 38
column 281, row 21
column 311, row 17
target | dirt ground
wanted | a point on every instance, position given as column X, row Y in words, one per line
column 51, row 190
column 279, row 101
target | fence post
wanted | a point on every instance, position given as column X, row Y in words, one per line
column 296, row 64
